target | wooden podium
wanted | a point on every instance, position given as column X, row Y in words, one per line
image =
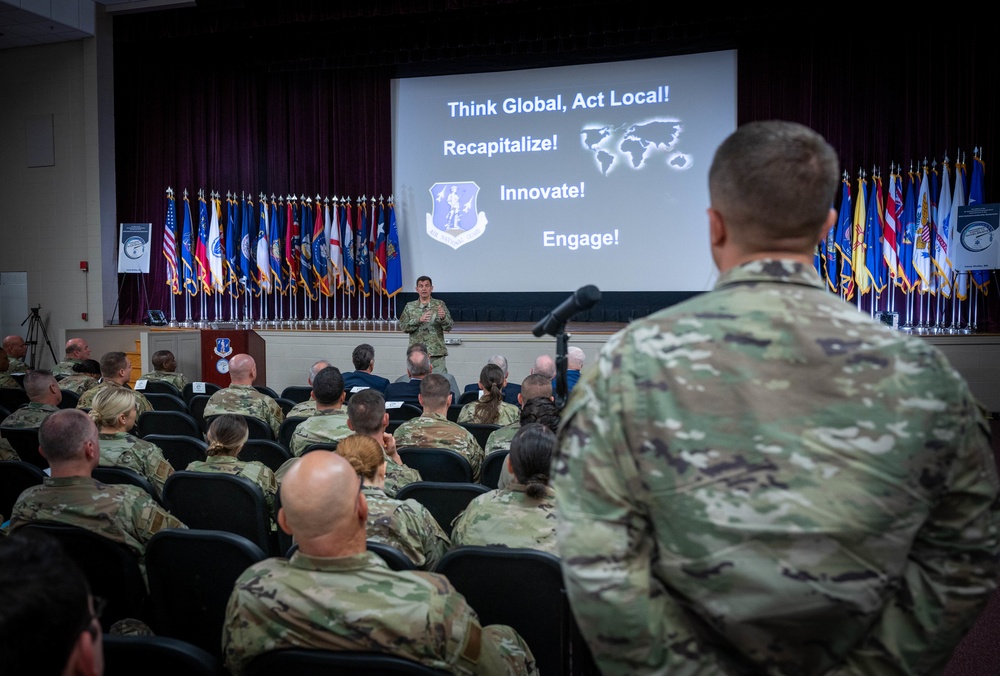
column 219, row 346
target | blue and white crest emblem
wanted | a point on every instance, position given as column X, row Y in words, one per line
column 222, row 347
column 456, row 219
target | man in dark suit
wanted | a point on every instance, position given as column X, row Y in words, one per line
column 362, row 377
column 418, row 365
column 510, row 390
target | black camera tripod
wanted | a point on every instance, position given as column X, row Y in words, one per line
column 36, row 327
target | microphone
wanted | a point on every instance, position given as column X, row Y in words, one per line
column 582, row 299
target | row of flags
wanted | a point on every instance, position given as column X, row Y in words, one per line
column 887, row 237
column 283, row 245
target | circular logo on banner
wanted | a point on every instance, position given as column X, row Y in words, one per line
column 222, row 366
column 977, row 236
column 134, row 247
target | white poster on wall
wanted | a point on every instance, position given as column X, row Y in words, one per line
column 133, row 247
column 976, row 241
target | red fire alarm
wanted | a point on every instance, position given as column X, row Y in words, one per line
column 84, row 267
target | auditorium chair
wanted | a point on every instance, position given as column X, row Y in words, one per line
column 197, row 405
column 297, row 393
column 403, row 412
column 481, row 431
column 287, row 429
column 159, row 387
column 25, row 442
column 188, row 392
column 191, row 574
column 489, row 474
column 15, row 478
column 302, row 662
column 468, row 397
column 443, row 500
column 396, row 559
column 157, row 656
column 180, row 450
column 124, row 476
column 215, row 501
column 167, row 422
column 453, row 412
column 69, row 399
column 265, row 451
column 286, row 405
column 12, row 398
column 160, row 401
column 264, row 389
column 256, row 428
column 437, row 464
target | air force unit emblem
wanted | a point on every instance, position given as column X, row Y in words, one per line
column 223, row 347
column 455, row 219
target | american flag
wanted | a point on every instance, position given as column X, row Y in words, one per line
column 170, row 243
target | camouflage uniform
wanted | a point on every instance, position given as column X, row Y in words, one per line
column 303, row 409
column 257, row 472
column 7, row 451
column 397, row 476
column 78, row 383
column 433, row 430
column 142, row 404
column 407, row 526
column 125, row 514
column 121, row 449
column 508, row 414
column 246, row 400
column 764, row 480
column 29, row 415
column 358, row 603
column 7, row 380
column 508, row 518
column 17, row 365
column 325, row 426
column 65, row 367
column 172, row 377
column 429, row 333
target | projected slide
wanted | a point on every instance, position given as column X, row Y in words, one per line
column 550, row 179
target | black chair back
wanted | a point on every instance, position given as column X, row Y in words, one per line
column 297, row 393
column 271, row 453
column 468, row 397
column 264, row 389
column 156, row 656
column 453, row 411
column 188, row 392
column 396, row 559
column 197, row 405
column 111, row 568
column 403, row 412
column 162, row 401
column 214, row 501
column 518, row 582
column 3, row 413
column 15, row 478
column 286, row 405
column 437, row 464
column 329, row 663
column 69, row 399
column 287, row 429
column 25, row 442
column 191, row 575
column 180, row 450
column 167, row 422
column 159, row 387
column 12, row 398
column 123, row 475
column 489, row 475
column 481, row 431
column 444, row 501
column 257, row 428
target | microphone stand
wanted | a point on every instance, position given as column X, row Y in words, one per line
column 562, row 388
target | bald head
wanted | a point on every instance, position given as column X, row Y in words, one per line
column 321, row 506
column 242, row 369
column 574, row 358
column 544, row 366
column 77, row 348
column 14, row 346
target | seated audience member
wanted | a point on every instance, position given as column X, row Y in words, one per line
column 48, row 621
column 524, row 513
column 116, row 372
column 452, row 383
column 332, row 594
column 418, row 367
column 44, row 397
column 366, row 415
column 242, row 398
column 510, row 390
column 76, row 351
column 403, row 524
column 362, row 377
column 574, row 364
column 115, row 414
column 491, row 409
column 15, row 348
column 226, row 436
column 534, row 386
column 307, row 408
column 127, row 514
column 329, row 424
column 544, row 366
column 85, row 377
column 538, row 410
column 7, row 380
column 7, row 452
column 165, row 370
column 433, row 429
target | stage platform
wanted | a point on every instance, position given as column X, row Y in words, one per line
column 290, row 353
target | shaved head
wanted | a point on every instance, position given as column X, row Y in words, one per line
column 544, row 366
column 242, row 369
column 320, row 504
